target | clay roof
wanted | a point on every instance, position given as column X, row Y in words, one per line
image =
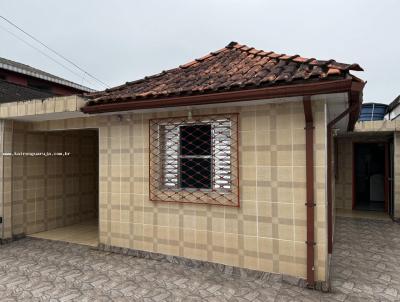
column 234, row 67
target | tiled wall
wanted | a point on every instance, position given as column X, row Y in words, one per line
column 268, row 231
column 53, row 191
column 344, row 177
column 6, row 129
column 397, row 175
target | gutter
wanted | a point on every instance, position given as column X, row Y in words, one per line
column 126, row 103
column 355, row 100
column 353, row 110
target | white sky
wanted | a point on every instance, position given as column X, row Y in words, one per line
column 121, row 40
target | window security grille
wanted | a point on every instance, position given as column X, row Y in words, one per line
column 195, row 160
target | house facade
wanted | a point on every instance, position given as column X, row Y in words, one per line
column 228, row 159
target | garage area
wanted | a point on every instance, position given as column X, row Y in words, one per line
column 55, row 185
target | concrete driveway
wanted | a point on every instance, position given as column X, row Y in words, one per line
column 366, row 260
column 366, row 268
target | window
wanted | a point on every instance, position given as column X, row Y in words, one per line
column 194, row 160
column 195, row 157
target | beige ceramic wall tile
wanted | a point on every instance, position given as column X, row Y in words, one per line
column 397, row 175
column 53, row 191
column 267, row 232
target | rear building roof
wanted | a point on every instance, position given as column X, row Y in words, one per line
column 37, row 73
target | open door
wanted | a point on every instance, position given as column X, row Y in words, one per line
column 371, row 176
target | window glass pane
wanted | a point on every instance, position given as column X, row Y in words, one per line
column 196, row 173
column 196, row 140
column 169, row 155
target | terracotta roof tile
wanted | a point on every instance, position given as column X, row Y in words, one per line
column 233, row 67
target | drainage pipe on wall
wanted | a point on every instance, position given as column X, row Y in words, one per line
column 310, row 204
column 355, row 101
column 330, row 126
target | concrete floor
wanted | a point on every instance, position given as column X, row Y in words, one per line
column 366, row 260
column 362, row 214
column 86, row 233
column 365, row 263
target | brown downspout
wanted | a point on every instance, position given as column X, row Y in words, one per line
column 355, row 101
column 310, row 204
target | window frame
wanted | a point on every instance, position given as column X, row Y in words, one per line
column 214, row 194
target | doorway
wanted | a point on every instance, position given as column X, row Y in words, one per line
column 371, row 161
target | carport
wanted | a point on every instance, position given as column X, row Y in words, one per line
column 52, row 176
column 55, row 185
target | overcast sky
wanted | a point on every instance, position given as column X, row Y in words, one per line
column 119, row 41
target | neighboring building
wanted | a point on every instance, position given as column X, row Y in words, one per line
column 226, row 159
column 22, row 82
column 393, row 109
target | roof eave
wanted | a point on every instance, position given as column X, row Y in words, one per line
column 355, row 97
column 322, row 87
column 45, row 77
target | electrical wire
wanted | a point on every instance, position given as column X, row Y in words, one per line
column 46, row 55
column 53, row 51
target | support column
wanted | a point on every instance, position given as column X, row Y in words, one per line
column 6, row 137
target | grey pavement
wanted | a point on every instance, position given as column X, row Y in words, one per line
column 365, row 268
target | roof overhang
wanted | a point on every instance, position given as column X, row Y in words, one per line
column 61, row 107
column 322, row 87
column 45, row 76
column 350, row 85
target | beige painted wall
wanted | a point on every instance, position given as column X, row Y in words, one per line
column 268, row 231
column 53, row 191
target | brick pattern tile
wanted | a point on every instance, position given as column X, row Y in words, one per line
column 365, row 267
column 366, row 258
column 42, row 270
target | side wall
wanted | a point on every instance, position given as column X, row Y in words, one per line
column 344, row 177
column 53, row 191
column 396, row 175
column 6, row 130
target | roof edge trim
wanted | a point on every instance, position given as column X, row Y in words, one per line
column 325, row 87
column 46, row 78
